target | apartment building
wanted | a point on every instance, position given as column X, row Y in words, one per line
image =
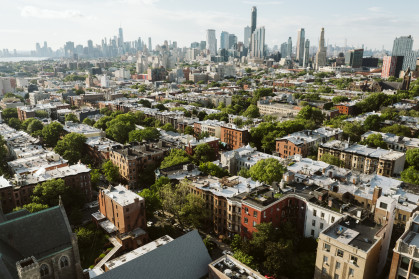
column 364, row 159
column 133, row 158
column 234, row 136
column 227, row 266
column 305, row 141
column 346, row 108
column 212, row 127
column 122, row 211
column 405, row 261
column 83, row 129
column 99, row 148
column 223, row 200
column 356, row 247
column 266, row 107
column 213, row 142
column 394, row 142
column 25, row 112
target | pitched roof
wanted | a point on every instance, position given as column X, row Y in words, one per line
column 39, row 234
column 184, row 257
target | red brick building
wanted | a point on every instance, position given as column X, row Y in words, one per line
column 213, row 142
column 234, row 136
column 347, row 109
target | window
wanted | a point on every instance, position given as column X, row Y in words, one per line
column 245, row 220
column 415, row 269
column 255, row 214
column 312, row 232
column 246, row 210
column 383, row 205
column 404, row 264
column 339, row 253
column 321, row 226
column 333, row 219
column 351, row 272
column 337, row 265
column 314, row 212
column 313, row 223
column 324, row 271
column 44, row 270
column 325, row 259
column 354, row 260
column 63, row 261
column 254, row 223
column 336, row 276
column 322, row 215
column 326, row 247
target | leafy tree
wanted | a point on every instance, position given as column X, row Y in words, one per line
column 34, row 126
column 119, row 128
column 267, row 170
column 9, row 113
column 244, row 258
column 106, row 111
column 204, row 153
column 110, row 171
column 332, row 160
column 85, row 237
column 72, row 147
column 410, row 175
column 311, row 113
column 210, row 168
column 412, row 157
column 252, row 112
column 89, row 121
column 397, row 129
column 244, row 172
column 102, row 122
column 95, row 177
column 15, row 123
column 176, row 157
column 41, row 114
column 51, row 133
column 375, row 140
column 339, row 99
column 372, row 122
column 32, row 207
column 236, row 243
column 146, row 134
column 160, row 107
column 202, row 115
column 145, row 103
column 373, row 102
column 71, row 117
column 277, row 260
column 208, row 243
column 168, row 127
column 353, row 130
column 189, row 130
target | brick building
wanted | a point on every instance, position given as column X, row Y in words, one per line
column 234, row 136
column 212, row 127
column 125, row 216
column 213, row 142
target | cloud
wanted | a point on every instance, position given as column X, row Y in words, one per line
column 260, row 3
column 375, row 9
column 31, row 11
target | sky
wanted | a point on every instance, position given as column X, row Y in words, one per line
column 374, row 23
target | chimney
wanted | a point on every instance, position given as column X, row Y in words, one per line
column 376, row 194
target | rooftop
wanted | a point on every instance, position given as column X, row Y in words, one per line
column 121, row 195
column 232, row 268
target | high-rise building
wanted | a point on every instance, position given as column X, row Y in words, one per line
column 306, row 58
column 284, row 48
column 392, row 66
column 247, row 33
column 300, row 46
column 402, row 46
column 253, row 19
column 224, row 43
column 353, row 58
column 232, row 41
column 258, row 43
column 211, row 41
column 203, row 45
column 150, row 47
column 289, row 47
column 120, row 38
column 321, row 52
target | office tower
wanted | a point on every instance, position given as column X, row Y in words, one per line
column 195, row 45
column 38, row 49
column 246, row 39
column 90, row 47
column 283, row 50
column 258, row 43
column 321, row 52
column 120, row 38
column 392, row 66
column 69, row 49
column 203, row 45
column 253, row 20
column 306, row 58
column 402, row 46
column 300, row 46
column 211, row 41
column 289, row 47
column 224, row 40
column 353, row 58
column 150, row 47
column 232, row 41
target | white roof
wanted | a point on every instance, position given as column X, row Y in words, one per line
column 122, row 195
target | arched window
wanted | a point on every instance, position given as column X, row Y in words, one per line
column 63, row 261
column 44, row 270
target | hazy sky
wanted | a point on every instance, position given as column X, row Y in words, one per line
column 371, row 22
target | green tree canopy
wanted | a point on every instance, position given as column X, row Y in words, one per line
column 189, row 130
column 119, row 128
column 72, row 147
column 372, row 122
column 88, row 121
column 252, row 112
column 397, row 129
column 176, row 156
column 147, row 134
column 210, row 168
column 71, row 117
column 8, row 113
column 32, row 207
column 51, row 133
column 375, row 140
column 412, row 157
column 204, row 153
column 410, row 175
column 15, row 123
column 102, row 122
column 267, row 170
column 311, row 113
column 110, row 171
column 332, row 160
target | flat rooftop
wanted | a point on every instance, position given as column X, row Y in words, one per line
column 234, row 269
column 121, row 195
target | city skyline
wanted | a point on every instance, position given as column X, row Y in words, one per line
column 24, row 24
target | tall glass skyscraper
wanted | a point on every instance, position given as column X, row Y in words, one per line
column 300, row 46
column 211, row 41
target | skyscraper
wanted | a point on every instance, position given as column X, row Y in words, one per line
column 289, row 47
column 402, row 46
column 321, row 52
column 284, row 48
column 300, row 46
column 211, row 41
column 246, row 39
column 306, row 58
column 224, row 40
column 120, row 38
column 253, row 19
column 150, row 47
column 232, row 41
column 258, row 43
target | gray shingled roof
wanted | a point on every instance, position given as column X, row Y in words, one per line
column 38, row 234
column 184, row 257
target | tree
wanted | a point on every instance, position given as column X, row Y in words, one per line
column 106, row 111
column 160, row 107
column 244, row 258
column 176, row 157
column 119, row 128
column 95, row 177
column 410, row 175
column 267, row 170
column 89, row 121
column 210, row 168
column 34, row 126
column 168, row 127
column 71, row 117
column 189, row 130
column 375, row 140
column 102, row 122
column 32, row 207
column 110, row 171
column 72, row 147
column 339, row 99
column 332, row 160
column 147, row 134
column 51, row 133
column 372, row 122
column 9, row 113
column 208, row 243
column 15, row 123
column 353, row 131
column 145, row 103
column 412, row 157
column 85, row 237
column 278, row 260
column 252, row 111
column 41, row 114
column 244, row 172
column 312, row 113
column 204, row 153
column 397, row 129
